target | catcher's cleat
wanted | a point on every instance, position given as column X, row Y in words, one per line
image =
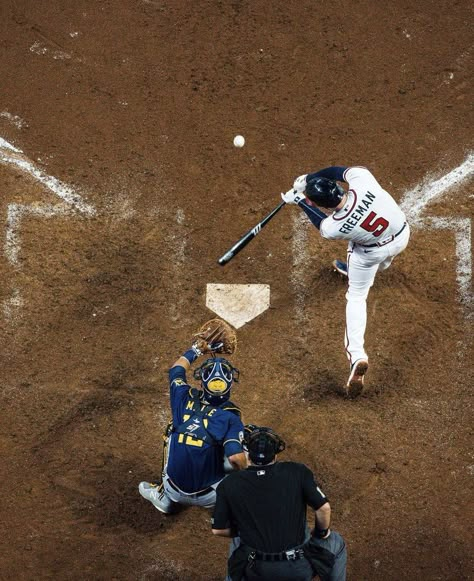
column 156, row 495
column 355, row 383
column 340, row 267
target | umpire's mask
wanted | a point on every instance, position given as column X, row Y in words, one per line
column 262, row 444
column 216, row 375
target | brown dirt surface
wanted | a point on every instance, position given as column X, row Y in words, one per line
column 133, row 104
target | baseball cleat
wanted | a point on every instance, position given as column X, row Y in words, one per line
column 156, row 495
column 355, row 383
column 340, row 267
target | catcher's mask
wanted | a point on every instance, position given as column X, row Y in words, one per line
column 262, row 444
column 324, row 192
column 217, row 375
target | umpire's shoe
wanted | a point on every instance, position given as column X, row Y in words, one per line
column 340, row 267
column 156, row 495
column 355, row 383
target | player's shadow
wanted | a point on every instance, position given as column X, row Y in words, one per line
column 108, row 497
column 324, row 384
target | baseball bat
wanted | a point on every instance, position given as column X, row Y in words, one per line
column 250, row 235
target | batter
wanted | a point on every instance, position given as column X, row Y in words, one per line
column 371, row 221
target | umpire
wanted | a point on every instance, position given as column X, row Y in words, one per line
column 265, row 506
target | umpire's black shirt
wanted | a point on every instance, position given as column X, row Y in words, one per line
column 267, row 505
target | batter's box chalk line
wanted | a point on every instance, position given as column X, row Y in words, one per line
column 71, row 204
column 416, row 201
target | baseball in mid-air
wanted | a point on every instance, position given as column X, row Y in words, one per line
column 239, row 141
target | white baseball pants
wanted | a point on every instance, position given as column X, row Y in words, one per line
column 362, row 266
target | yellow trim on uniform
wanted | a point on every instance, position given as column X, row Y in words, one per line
column 190, row 441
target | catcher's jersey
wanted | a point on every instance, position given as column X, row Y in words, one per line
column 370, row 214
column 193, row 464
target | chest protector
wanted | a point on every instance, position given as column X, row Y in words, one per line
column 194, row 430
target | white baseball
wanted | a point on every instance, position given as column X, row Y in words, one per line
column 239, row 141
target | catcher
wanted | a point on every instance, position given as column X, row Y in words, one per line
column 204, row 439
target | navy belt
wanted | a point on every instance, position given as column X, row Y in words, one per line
column 200, row 493
column 290, row 555
column 386, row 241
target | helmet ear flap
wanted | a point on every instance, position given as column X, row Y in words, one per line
column 324, row 192
column 280, row 444
column 341, row 190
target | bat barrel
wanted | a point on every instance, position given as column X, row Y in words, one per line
column 250, row 235
column 225, row 258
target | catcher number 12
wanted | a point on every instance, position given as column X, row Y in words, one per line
column 250, row 235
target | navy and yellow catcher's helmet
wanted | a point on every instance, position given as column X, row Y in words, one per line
column 217, row 375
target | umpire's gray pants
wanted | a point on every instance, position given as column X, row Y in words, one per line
column 334, row 543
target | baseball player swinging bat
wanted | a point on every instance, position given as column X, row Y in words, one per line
column 250, row 235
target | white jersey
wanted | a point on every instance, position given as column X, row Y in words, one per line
column 370, row 214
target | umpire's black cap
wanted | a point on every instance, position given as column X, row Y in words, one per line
column 262, row 444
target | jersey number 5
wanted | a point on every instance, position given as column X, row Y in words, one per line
column 374, row 224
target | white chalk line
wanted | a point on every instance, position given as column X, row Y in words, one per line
column 178, row 242
column 300, row 264
column 462, row 230
column 13, row 119
column 40, row 48
column 53, row 184
column 415, row 201
column 179, row 239
column 12, row 305
column 5, row 145
column 15, row 213
column 72, row 203
column 159, row 565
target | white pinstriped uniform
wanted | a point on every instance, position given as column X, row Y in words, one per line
column 377, row 231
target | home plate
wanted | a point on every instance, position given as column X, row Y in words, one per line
column 238, row 303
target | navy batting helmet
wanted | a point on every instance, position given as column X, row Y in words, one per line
column 324, row 192
column 262, row 444
column 217, row 375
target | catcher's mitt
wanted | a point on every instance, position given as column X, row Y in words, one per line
column 215, row 336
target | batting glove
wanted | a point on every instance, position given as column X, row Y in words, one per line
column 300, row 183
column 292, row 197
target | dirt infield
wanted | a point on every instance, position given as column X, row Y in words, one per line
column 120, row 188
